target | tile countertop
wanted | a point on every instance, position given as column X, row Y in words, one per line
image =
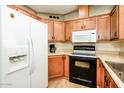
column 105, row 57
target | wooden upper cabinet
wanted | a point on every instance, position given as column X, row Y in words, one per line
column 103, row 27
column 84, row 24
column 50, row 28
column 68, row 31
column 89, row 23
column 114, row 23
column 77, row 25
column 121, row 22
column 59, row 31
column 83, row 11
column 55, row 66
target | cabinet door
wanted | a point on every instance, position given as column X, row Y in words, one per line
column 103, row 27
column 50, row 28
column 121, row 22
column 112, row 83
column 68, row 29
column 55, row 66
column 89, row 23
column 109, row 82
column 114, row 24
column 100, row 74
column 77, row 25
column 59, row 31
column 66, row 67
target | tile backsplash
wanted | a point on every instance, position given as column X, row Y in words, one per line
column 113, row 46
column 63, row 47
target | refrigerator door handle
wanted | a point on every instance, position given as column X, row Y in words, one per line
column 31, row 55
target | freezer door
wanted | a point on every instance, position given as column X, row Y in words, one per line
column 14, row 63
column 39, row 65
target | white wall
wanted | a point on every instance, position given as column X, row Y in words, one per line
column 93, row 11
column 99, row 9
column 70, row 16
column 46, row 16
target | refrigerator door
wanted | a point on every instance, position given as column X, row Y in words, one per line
column 15, row 57
column 39, row 66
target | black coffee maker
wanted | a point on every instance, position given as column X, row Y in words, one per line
column 52, row 48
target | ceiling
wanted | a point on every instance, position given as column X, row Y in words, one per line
column 53, row 9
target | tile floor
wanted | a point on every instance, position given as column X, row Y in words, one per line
column 63, row 83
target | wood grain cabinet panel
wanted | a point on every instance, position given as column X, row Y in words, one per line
column 121, row 22
column 103, row 27
column 100, row 74
column 104, row 80
column 55, row 66
column 68, row 31
column 66, row 67
column 109, row 82
column 50, row 29
column 77, row 25
column 59, row 31
column 89, row 23
column 114, row 23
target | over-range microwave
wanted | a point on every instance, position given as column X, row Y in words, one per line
column 84, row 36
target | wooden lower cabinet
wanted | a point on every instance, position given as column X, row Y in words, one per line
column 109, row 83
column 66, row 67
column 104, row 80
column 55, row 66
column 100, row 74
column 58, row 66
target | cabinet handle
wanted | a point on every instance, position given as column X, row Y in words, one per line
column 82, row 27
column 98, row 36
column 115, row 33
column 53, row 37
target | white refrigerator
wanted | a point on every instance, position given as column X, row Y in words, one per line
column 23, row 50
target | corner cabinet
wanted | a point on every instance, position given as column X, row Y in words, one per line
column 59, row 31
column 56, row 31
column 103, row 28
column 50, row 28
column 104, row 80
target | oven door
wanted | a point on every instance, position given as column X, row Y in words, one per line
column 83, row 70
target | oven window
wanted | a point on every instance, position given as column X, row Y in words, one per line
column 82, row 64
